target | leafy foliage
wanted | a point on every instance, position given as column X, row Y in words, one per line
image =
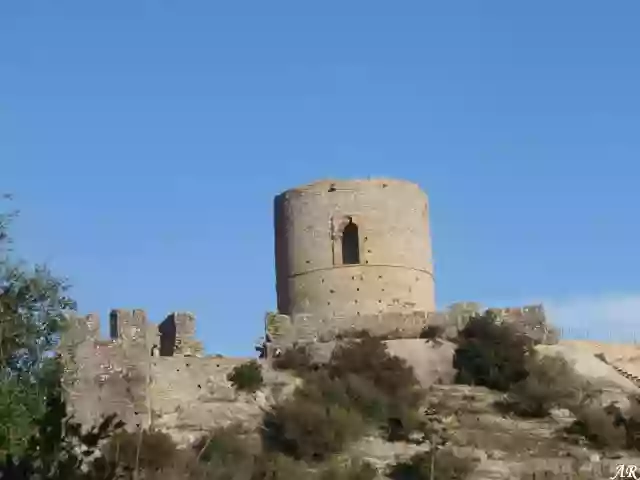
column 33, row 305
column 491, row 354
column 551, row 383
column 247, row 377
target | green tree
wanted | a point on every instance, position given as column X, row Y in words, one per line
column 491, row 354
column 33, row 303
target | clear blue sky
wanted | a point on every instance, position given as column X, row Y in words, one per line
column 144, row 141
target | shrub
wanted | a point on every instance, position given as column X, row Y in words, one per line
column 551, row 383
column 599, row 426
column 382, row 387
column 307, row 429
column 446, row 466
column 352, row 470
column 368, row 358
column 432, row 332
column 247, row 377
column 491, row 354
column 609, row 427
column 360, row 382
column 276, row 466
column 151, row 452
column 297, row 359
column 228, row 454
column 225, row 454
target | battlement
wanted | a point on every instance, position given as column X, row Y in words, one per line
column 135, row 372
column 283, row 330
column 175, row 335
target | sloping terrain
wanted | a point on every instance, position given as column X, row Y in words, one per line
column 626, row 356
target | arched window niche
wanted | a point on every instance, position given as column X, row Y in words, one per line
column 350, row 244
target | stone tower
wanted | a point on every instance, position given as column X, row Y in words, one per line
column 353, row 248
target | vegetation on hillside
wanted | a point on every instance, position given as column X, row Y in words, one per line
column 32, row 306
column 497, row 356
column 490, row 354
column 422, row 466
column 361, row 390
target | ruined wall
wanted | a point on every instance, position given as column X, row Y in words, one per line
column 394, row 272
column 283, row 330
column 149, row 376
column 107, row 376
column 192, row 395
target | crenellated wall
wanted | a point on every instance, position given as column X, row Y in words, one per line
column 154, row 375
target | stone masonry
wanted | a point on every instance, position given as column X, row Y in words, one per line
column 353, row 248
column 158, row 376
column 150, row 375
column 350, row 255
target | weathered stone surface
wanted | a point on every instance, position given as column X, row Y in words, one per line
column 283, row 331
column 432, row 362
column 183, row 394
column 394, row 268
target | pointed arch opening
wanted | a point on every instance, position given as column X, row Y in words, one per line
column 350, row 244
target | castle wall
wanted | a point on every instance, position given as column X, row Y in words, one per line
column 181, row 394
column 192, row 395
column 103, row 377
column 394, row 272
column 283, row 330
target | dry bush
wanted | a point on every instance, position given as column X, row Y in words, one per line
column 446, row 466
column 311, row 430
column 352, row 470
column 368, row 358
column 276, row 466
column 552, row 383
column 151, row 455
column 247, row 377
column 599, row 426
column 382, row 387
column 361, row 382
column 297, row 359
column 491, row 354
column 608, row 427
column 226, row 454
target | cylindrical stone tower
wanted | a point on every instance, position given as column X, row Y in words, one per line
column 355, row 247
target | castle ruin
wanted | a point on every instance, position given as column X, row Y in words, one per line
column 350, row 255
